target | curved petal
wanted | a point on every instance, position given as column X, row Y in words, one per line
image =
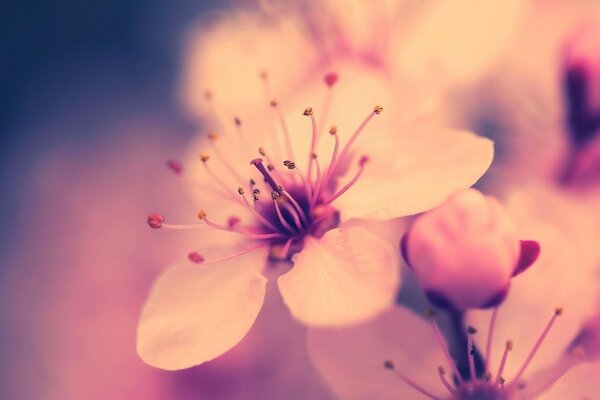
column 342, row 278
column 419, row 175
column 196, row 313
column 351, row 359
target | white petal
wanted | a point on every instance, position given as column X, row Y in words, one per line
column 351, row 359
column 344, row 277
column 421, row 172
column 197, row 312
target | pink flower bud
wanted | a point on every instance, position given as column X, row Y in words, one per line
column 465, row 252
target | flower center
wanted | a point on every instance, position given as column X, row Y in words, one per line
column 490, row 385
column 287, row 204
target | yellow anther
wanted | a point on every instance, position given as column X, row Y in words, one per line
column 378, row 109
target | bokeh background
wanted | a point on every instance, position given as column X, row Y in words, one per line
column 89, row 112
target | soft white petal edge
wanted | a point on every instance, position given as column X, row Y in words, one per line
column 351, row 359
column 197, row 312
column 419, row 174
column 342, row 278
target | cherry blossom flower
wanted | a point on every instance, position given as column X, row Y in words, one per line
column 279, row 211
column 422, row 48
column 396, row 354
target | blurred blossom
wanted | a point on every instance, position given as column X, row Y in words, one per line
column 396, row 354
column 420, row 48
column 466, row 251
column 282, row 215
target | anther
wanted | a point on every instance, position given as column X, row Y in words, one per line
column 241, row 191
column 308, row 112
column 289, row 164
column 262, row 151
column 330, row 78
column 155, row 221
column 252, row 182
column 273, row 103
column 378, row 109
column 237, row 121
column 558, row 311
column 175, row 166
column 264, row 75
column 195, row 257
column 202, row 214
column 363, row 160
column 274, row 195
column 208, row 95
column 204, row 157
column 270, row 167
column 388, row 364
column 212, row 136
column 471, row 330
column 333, row 130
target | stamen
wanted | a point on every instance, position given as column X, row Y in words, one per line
column 313, row 143
column 205, row 157
column 284, row 127
column 557, row 313
column 175, row 166
column 296, row 205
column 361, row 164
column 471, row 351
column 229, row 257
column 442, row 344
column 156, row 221
column 507, row 349
column 292, row 166
column 442, row 374
column 212, row 136
column 317, row 189
column 286, row 225
column 332, row 132
column 258, row 216
column 183, row 226
column 294, row 215
column 376, row 111
column 330, row 80
column 202, row 215
column 390, row 366
column 490, row 337
column 258, row 163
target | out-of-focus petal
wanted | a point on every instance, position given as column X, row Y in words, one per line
column 422, row 171
column 228, row 57
column 196, row 313
column 344, row 277
column 351, row 359
column 458, row 40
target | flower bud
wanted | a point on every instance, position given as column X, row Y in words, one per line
column 465, row 252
